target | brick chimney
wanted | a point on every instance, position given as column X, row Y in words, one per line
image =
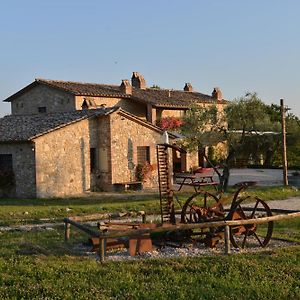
column 217, row 94
column 125, row 87
column 138, row 81
column 188, row 87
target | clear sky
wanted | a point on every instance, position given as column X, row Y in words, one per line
column 236, row 45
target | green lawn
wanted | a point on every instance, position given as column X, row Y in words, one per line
column 40, row 265
column 31, row 210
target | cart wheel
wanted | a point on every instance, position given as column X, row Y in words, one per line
column 201, row 207
column 250, row 234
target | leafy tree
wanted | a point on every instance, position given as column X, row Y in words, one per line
column 155, row 87
column 292, row 135
column 240, row 126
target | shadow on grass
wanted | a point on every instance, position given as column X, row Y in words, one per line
column 43, row 243
column 74, row 201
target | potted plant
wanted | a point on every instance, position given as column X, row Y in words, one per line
column 144, row 171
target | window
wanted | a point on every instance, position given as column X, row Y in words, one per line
column 93, row 159
column 42, row 109
column 84, row 104
column 143, row 155
column 6, row 162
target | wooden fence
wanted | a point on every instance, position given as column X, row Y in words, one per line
column 138, row 232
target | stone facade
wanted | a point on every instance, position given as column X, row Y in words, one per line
column 63, row 161
column 163, row 113
column 101, row 177
column 23, row 159
column 139, row 110
column 40, row 96
column 124, row 141
column 59, row 163
column 97, row 152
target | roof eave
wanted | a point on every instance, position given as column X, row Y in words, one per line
column 21, row 92
column 142, row 122
column 112, row 110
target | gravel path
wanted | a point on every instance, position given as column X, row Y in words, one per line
column 289, row 204
column 171, row 252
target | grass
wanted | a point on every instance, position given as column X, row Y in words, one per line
column 39, row 265
column 14, row 211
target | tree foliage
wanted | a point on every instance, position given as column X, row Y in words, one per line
column 292, row 136
column 240, row 126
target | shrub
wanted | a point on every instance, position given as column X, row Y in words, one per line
column 169, row 123
column 143, row 172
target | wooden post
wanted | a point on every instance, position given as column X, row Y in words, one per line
column 284, row 156
column 143, row 217
column 102, row 247
column 67, row 231
column 227, row 240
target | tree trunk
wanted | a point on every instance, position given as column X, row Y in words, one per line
column 224, row 178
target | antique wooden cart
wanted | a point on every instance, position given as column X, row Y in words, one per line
column 204, row 206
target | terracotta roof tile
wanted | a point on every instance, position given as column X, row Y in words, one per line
column 25, row 127
column 85, row 89
column 172, row 98
column 156, row 97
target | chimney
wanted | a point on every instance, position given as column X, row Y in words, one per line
column 125, row 87
column 217, row 94
column 138, row 81
column 188, row 87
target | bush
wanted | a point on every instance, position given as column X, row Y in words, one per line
column 143, row 172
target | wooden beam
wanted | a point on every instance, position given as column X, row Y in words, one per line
column 138, row 232
column 284, row 155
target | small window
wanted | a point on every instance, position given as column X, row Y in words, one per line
column 42, row 109
column 6, row 162
column 93, row 159
column 143, row 155
column 84, row 105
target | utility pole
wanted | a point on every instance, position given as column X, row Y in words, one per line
column 283, row 131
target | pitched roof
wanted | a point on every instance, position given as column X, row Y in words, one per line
column 20, row 128
column 172, row 98
column 15, row 128
column 156, row 97
column 84, row 88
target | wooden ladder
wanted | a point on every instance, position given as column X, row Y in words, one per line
column 165, row 185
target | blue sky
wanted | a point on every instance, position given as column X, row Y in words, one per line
column 237, row 45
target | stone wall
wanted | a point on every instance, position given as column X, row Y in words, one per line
column 101, row 179
column 63, row 161
column 163, row 113
column 129, row 105
column 192, row 160
column 127, row 134
column 23, row 159
column 42, row 96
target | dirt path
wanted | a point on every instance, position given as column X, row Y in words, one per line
column 289, row 204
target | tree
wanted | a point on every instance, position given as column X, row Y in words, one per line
column 240, row 126
column 292, row 136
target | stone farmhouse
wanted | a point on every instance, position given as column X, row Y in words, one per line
column 68, row 138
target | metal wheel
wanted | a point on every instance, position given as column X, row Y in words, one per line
column 201, row 207
column 251, row 234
